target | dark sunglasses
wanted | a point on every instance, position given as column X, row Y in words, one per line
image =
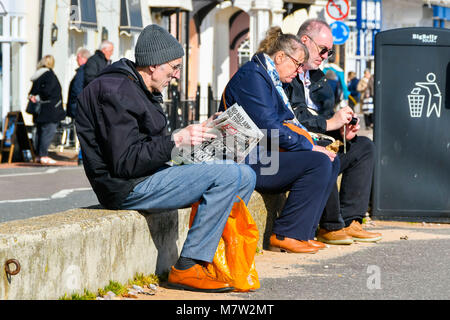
column 295, row 61
column 323, row 50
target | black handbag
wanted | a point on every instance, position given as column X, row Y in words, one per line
column 33, row 108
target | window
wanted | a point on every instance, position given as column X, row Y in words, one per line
column 244, row 53
column 83, row 14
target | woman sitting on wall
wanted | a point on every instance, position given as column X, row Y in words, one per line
column 305, row 169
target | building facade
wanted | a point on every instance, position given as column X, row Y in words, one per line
column 218, row 36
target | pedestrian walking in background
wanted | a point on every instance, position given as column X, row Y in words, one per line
column 46, row 90
column 312, row 100
column 123, row 134
column 77, row 83
column 352, row 84
column 365, row 87
column 335, row 84
column 98, row 61
column 305, row 169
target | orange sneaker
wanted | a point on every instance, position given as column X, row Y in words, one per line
column 334, row 237
column 196, row 278
column 356, row 231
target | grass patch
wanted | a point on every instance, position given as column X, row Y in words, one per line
column 143, row 280
column 115, row 287
column 118, row 288
column 76, row 296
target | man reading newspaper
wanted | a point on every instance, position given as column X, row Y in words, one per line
column 125, row 145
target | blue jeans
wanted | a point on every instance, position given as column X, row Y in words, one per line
column 216, row 185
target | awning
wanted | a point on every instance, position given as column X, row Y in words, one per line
column 182, row 4
column 130, row 17
column 83, row 15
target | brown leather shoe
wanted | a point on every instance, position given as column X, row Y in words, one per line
column 334, row 237
column 317, row 244
column 356, row 231
column 290, row 245
column 196, row 278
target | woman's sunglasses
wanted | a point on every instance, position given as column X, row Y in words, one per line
column 295, row 61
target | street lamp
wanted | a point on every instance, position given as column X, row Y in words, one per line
column 104, row 34
column 54, row 33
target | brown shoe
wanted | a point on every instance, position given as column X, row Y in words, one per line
column 356, row 231
column 334, row 237
column 317, row 244
column 196, row 278
column 290, row 245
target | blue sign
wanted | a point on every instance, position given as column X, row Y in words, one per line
column 340, row 32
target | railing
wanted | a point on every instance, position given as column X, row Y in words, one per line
column 181, row 113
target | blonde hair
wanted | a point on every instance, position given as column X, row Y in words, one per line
column 276, row 41
column 47, row 61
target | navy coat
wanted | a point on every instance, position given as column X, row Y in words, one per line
column 252, row 88
column 75, row 88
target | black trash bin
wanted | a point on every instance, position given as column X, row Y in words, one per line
column 412, row 125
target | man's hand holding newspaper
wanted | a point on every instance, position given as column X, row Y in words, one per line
column 195, row 134
column 227, row 135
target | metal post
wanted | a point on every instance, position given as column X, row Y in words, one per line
column 187, row 22
column 197, row 104
column 41, row 29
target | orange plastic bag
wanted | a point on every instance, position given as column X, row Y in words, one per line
column 234, row 261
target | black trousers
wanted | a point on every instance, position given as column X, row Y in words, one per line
column 352, row 201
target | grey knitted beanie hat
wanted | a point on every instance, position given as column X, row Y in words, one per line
column 156, row 46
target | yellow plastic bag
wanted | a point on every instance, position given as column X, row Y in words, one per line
column 234, row 261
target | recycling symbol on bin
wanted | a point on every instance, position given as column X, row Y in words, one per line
column 425, row 94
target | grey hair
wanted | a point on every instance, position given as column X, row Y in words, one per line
column 311, row 27
column 106, row 44
column 84, row 53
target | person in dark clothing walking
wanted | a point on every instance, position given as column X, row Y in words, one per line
column 98, row 61
column 46, row 90
column 126, row 150
column 352, row 83
column 75, row 88
column 313, row 102
column 77, row 83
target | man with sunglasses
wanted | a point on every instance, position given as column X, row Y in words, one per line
column 312, row 100
column 126, row 150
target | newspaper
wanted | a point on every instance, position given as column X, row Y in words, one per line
column 236, row 135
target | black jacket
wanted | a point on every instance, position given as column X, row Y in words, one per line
column 47, row 86
column 94, row 66
column 320, row 93
column 122, row 130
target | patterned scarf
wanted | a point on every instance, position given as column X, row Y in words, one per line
column 273, row 74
